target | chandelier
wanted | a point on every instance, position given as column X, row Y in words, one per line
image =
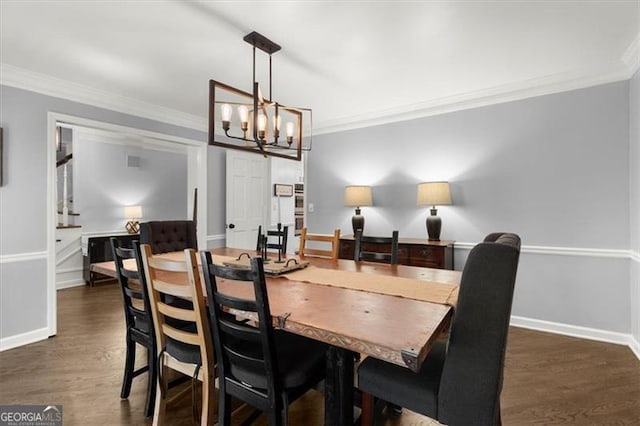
column 250, row 122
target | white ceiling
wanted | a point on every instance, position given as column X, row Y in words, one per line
column 351, row 62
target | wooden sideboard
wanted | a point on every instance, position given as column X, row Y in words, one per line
column 411, row 251
column 98, row 250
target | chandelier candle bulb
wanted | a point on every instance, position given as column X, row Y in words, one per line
column 262, row 125
column 243, row 112
column 277, row 121
column 290, row 129
column 225, row 111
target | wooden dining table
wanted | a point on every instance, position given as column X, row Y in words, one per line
column 355, row 307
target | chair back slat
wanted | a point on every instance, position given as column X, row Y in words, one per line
column 177, row 313
column 333, row 240
column 128, row 273
column 133, row 293
column 471, row 380
column 364, row 248
column 177, row 290
column 181, row 335
column 235, row 302
column 167, row 265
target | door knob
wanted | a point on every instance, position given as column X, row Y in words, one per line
column 231, row 226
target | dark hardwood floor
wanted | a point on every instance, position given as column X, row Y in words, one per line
column 549, row 379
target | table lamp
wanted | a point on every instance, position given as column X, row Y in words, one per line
column 133, row 214
column 433, row 194
column 357, row 196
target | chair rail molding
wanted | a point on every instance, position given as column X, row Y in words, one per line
column 23, row 257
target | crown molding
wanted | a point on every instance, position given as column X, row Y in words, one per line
column 60, row 88
column 631, row 56
column 555, row 83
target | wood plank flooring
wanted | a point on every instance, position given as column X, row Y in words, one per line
column 549, row 379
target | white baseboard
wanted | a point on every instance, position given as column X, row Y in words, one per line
column 634, row 345
column 11, row 342
column 70, row 283
column 578, row 331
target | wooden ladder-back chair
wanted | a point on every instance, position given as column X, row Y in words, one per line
column 138, row 320
column 183, row 332
column 334, row 240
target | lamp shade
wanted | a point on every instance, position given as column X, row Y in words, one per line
column 357, row 196
column 133, row 212
column 434, row 194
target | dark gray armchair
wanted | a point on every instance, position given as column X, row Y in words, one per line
column 459, row 383
column 169, row 235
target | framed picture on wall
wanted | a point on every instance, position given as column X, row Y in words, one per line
column 282, row 190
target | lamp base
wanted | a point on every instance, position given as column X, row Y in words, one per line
column 357, row 221
column 133, row 227
column 434, row 225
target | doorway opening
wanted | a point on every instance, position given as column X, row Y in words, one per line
column 100, row 140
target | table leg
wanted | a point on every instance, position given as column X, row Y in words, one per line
column 338, row 391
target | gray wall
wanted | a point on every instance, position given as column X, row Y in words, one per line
column 104, row 184
column 553, row 169
column 634, row 199
column 23, row 198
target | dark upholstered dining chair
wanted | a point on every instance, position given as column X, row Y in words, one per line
column 365, row 244
column 266, row 368
column 138, row 321
column 459, row 383
column 169, row 235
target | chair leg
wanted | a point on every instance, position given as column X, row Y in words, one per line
column 152, row 382
column 224, row 408
column 276, row 415
column 366, row 417
column 208, row 416
column 161, row 395
column 129, row 364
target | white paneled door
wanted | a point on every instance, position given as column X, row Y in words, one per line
column 247, row 197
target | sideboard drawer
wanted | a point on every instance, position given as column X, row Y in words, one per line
column 424, row 255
